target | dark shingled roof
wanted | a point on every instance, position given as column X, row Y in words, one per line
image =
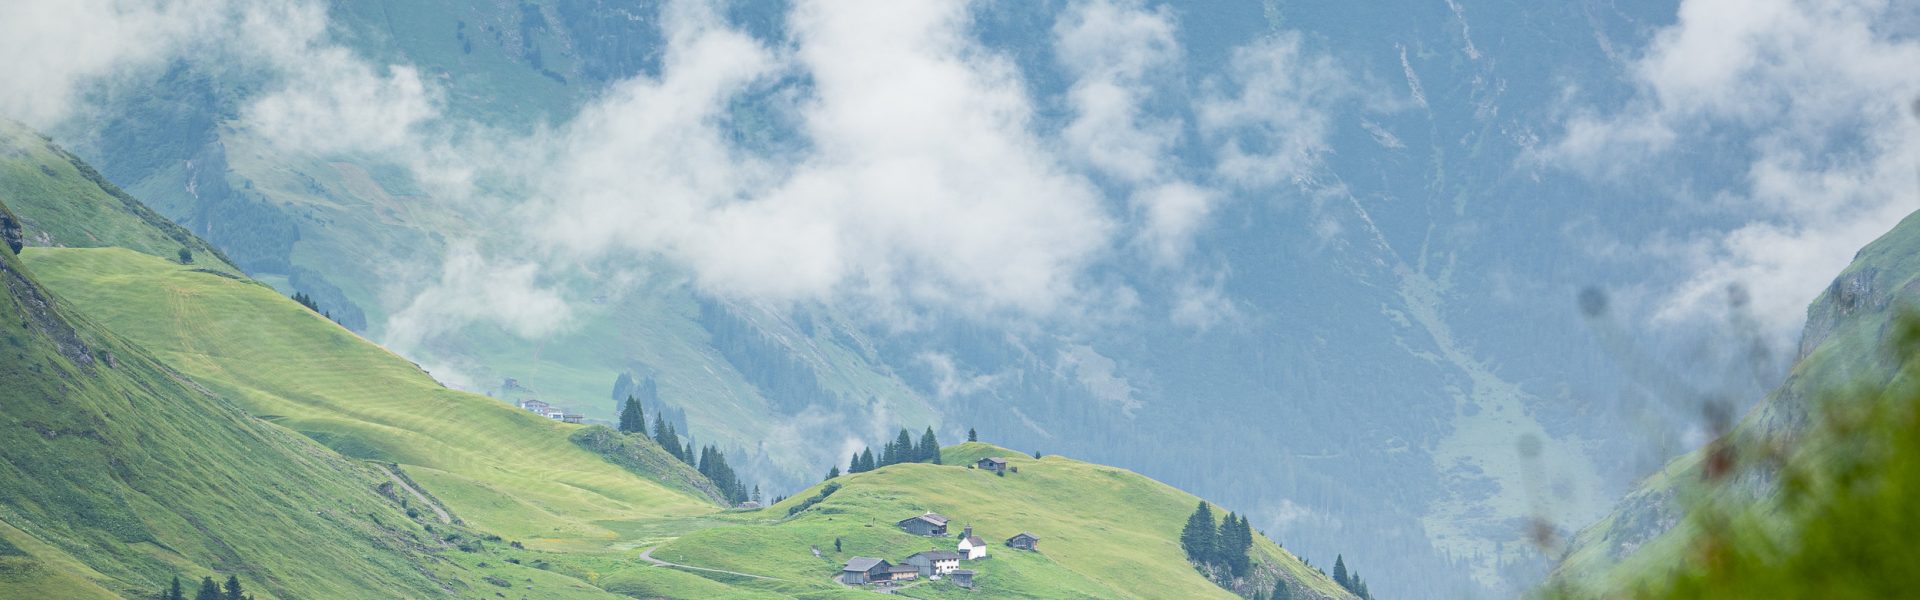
column 933, row 518
column 904, row 569
column 938, row 554
column 995, row 460
column 976, row 541
column 1024, row 534
column 861, row 564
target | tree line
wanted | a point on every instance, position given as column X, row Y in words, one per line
column 901, row 450
column 208, row 590
column 1224, row 548
column 709, row 460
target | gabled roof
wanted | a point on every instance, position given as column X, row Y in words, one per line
column 933, row 518
column 1024, row 534
column 995, row 460
column 976, row 541
column 863, row 564
column 938, row 555
column 904, row 569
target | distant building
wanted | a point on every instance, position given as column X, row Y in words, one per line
column 749, row 505
column 902, row 573
column 861, row 570
column 992, row 463
column 572, row 418
column 927, row 524
column 971, row 546
column 535, row 406
column 1024, row 541
column 935, row 562
column 962, row 578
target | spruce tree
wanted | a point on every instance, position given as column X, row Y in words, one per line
column 208, row 590
column 1197, row 538
column 972, row 436
column 853, row 466
column 1280, row 590
column 929, row 447
column 174, row 593
column 836, row 544
column 1340, row 571
column 632, row 418
column 833, row 472
column 903, row 447
column 866, row 460
column 233, row 588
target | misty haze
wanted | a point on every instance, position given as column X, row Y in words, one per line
column 1272, row 300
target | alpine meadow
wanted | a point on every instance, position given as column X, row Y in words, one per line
column 1133, row 299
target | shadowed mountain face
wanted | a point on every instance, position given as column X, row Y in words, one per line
column 1376, row 353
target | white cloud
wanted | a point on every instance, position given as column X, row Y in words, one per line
column 1817, row 91
column 1099, row 376
column 1112, row 48
column 1271, row 115
column 922, row 188
column 472, row 289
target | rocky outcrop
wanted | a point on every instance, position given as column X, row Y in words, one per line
column 11, row 231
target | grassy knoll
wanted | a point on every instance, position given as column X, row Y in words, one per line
column 64, row 202
column 1105, row 532
column 504, row 470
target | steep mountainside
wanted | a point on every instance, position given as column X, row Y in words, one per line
column 117, row 474
column 506, row 470
column 1844, row 343
column 63, row 201
column 1382, row 328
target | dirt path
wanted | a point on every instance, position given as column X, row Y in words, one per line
column 437, row 511
column 647, row 555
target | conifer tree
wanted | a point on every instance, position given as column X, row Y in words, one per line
column 174, row 592
column 853, row 466
column 756, row 492
column 929, row 447
column 1340, row 571
column 905, row 442
column 233, row 589
column 208, row 590
column 972, row 436
column 1280, row 590
column 632, row 418
column 1197, row 538
column 836, row 544
column 866, row 460
column 833, row 472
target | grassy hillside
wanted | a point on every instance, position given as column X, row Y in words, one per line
column 502, row 469
column 1105, row 532
column 63, row 202
column 1844, row 344
column 117, row 474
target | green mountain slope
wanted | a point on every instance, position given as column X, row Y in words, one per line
column 1105, row 533
column 1844, row 343
column 62, row 201
column 505, row 470
column 116, row 474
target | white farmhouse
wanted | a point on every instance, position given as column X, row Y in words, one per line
column 971, row 546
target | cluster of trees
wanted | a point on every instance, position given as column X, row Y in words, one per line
column 1349, row 579
column 901, row 450
column 308, row 301
column 710, row 461
column 1224, row 547
column 208, row 590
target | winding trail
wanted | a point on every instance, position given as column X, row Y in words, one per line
column 437, row 510
column 647, row 555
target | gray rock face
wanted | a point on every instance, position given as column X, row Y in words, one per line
column 11, row 230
